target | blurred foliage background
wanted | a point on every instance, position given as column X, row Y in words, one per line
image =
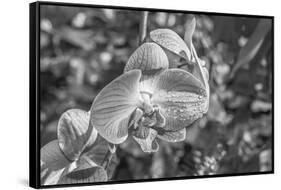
column 83, row 49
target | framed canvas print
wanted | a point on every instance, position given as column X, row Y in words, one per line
column 121, row 94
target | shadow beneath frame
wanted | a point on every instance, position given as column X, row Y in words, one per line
column 23, row 181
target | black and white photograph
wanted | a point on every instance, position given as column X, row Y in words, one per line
column 138, row 94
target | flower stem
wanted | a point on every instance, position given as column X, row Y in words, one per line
column 107, row 159
column 143, row 26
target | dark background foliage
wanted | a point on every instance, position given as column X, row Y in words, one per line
column 83, row 49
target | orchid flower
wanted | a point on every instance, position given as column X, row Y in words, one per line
column 77, row 155
column 149, row 100
column 153, row 99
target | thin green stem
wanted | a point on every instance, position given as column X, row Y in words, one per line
column 107, row 158
column 143, row 26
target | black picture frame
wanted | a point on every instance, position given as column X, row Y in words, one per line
column 34, row 98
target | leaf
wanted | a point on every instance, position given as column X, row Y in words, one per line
column 74, row 132
column 173, row 136
column 148, row 142
column 171, row 41
column 181, row 98
column 52, row 157
column 250, row 50
column 113, row 106
column 189, row 30
column 149, row 58
column 85, row 172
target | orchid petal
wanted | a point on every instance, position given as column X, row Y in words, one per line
column 173, row 136
column 52, row 157
column 149, row 58
column 85, row 172
column 181, row 98
column 140, row 132
column 74, row 132
column 50, row 177
column 148, row 143
column 160, row 119
column 98, row 150
column 202, row 74
column 171, row 41
column 111, row 110
column 198, row 68
column 206, row 73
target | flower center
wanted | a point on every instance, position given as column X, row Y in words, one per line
column 146, row 106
